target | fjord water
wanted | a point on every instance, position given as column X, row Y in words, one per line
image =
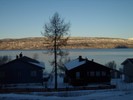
column 101, row 56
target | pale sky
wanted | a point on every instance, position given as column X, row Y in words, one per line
column 88, row 18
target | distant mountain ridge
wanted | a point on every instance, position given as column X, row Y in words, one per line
column 73, row 43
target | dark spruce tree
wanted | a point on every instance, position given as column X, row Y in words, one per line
column 56, row 34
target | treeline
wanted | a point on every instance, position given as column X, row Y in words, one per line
column 73, row 43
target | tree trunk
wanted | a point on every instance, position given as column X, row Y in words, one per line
column 55, row 56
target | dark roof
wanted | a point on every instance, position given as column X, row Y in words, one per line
column 131, row 60
column 28, row 60
column 81, row 61
column 127, row 60
column 74, row 63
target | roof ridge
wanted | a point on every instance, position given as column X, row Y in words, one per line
column 28, row 59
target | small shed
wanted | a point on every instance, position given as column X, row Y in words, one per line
column 82, row 72
column 128, row 69
column 21, row 70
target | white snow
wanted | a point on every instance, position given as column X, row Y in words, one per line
column 92, row 95
column 124, row 91
column 130, row 38
column 74, row 63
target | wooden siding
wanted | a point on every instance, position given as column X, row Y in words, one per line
column 88, row 73
column 19, row 72
column 128, row 70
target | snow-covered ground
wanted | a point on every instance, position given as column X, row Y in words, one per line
column 95, row 95
column 124, row 91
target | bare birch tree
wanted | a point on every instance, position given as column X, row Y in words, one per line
column 56, row 34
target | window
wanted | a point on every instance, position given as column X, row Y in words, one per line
column 97, row 73
column 92, row 73
column 33, row 73
column 103, row 73
column 77, row 75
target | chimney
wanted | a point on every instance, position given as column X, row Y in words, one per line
column 92, row 60
column 80, row 58
column 16, row 56
column 20, row 55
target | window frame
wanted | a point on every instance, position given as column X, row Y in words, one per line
column 33, row 73
column 77, row 75
column 98, row 74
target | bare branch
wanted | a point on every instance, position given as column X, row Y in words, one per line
column 54, row 33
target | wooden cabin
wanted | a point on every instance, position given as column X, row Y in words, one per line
column 21, row 70
column 128, row 69
column 82, row 72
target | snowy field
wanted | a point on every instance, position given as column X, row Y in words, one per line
column 124, row 91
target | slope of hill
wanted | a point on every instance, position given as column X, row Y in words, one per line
column 73, row 43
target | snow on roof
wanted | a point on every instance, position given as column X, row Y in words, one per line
column 40, row 64
column 74, row 63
